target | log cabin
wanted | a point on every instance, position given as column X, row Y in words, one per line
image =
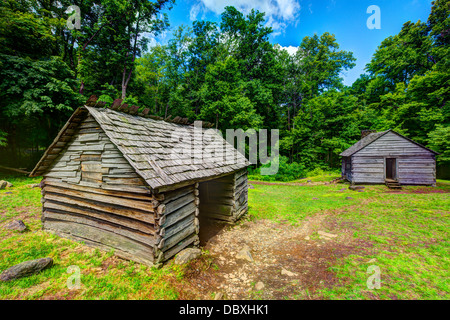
column 117, row 179
column 389, row 158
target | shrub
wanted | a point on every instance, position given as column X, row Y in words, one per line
column 286, row 171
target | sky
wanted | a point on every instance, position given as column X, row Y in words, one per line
column 292, row 20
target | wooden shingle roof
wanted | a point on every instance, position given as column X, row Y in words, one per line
column 164, row 154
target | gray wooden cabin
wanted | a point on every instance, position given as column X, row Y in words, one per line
column 119, row 181
column 381, row 157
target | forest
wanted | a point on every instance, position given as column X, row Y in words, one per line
column 226, row 73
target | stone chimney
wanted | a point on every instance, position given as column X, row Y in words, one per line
column 365, row 133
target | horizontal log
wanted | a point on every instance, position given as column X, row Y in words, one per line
column 131, row 203
column 242, row 211
column 173, row 195
column 240, row 173
column 100, row 224
column 103, row 237
column 175, row 216
column 121, row 211
column 215, row 216
column 216, row 208
column 192, row 239
column 213, row 187
column 179, row 202
column 119, row 220
column 180, row 225
column 225, row 200
column 113, row 193
column 178, row 237
column 241, row 179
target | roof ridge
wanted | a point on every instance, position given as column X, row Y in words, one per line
column 117, row 105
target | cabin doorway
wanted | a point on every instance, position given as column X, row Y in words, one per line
column 214, row 196
column 391, row 169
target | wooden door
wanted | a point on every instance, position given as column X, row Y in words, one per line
column 391, row 172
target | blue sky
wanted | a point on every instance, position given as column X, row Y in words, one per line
column 292, row 20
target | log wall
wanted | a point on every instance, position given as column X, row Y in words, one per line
column 225, row 198
column 92, row 194
column 177, row 219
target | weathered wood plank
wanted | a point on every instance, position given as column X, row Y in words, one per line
column 183, row 244
column 88, row 137
column 178, row 237
column 122, row 211
column 119, row 220
column 175, row 216
column 115, row 179
column 180, row 225
column 216, row 209
column 173, row 195
column 100, row 224
column 104, row 237
column 179, row 202
column 131, row 203
column 126, row 188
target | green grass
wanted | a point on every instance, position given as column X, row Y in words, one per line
column 407, row 234
column 103, row 276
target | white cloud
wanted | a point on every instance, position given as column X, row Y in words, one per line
column 279, row 13
column 291, row 49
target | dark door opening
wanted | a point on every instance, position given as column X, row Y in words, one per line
column 391, row 172
column 212, row 194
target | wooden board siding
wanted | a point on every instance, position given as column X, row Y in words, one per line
column 417, row 170
column 415, row 165
column 367, row 169
column 92, row 194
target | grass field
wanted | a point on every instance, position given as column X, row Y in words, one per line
column 406, row 235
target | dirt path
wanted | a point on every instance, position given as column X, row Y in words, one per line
column 290, row 262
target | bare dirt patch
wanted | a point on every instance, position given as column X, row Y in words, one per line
column 304, row 256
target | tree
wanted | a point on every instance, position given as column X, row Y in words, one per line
column 223, row 96
column 440, row 142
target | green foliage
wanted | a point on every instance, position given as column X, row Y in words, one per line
column 226, row 73
column 3, row 140
column 286, row 171
column 440, row 142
